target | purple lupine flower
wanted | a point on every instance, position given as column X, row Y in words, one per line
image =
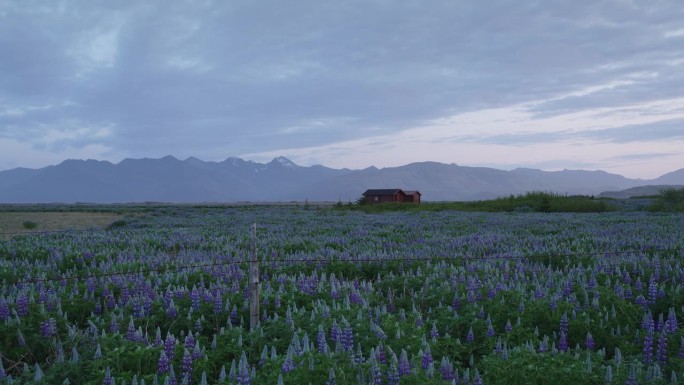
column 172, row 376
column 553, row 303
column 641, row 301
column 393, row 375
column 631, row 376
column 335, row 331
column 98, row 308
column 320, row 339
column 671, row 319
column 197, row 353
column 131, row 332
column 347, row 337
column 478, row 380
column 359, row 358
column 434, row 333
column 376, row 375
column 331, row 377
column 471, row 336
column 592, row 284
column 544, row 345
column 490, row 330
column 48, row 328
column 652, row 291
column 113, row 324
column 661, row 352
column 648, row 347
column 470, row 297
column 427, row 358
column 589, row 342
column 447, row 369
column 404, row 364
column 186, row 365
column 22, row 305
column 354, row 297
column 218, row 302
column 288, row 364
column 562, row 342
column 163, row 364
column 567, row 288
column 195, row 299
column 455, row 302
column 171, row 310
column 189, row 340
column 170, row 345
column 564, row 326
column 381, row 357
column 638, row 285
column 3, row 374
column 4, row 310
column 508, row 328
column 108, row 380
column 243, row 371
column 681, row 347
column 158, row 338
column 419, row 321
column 498, row 347
column 234, row 315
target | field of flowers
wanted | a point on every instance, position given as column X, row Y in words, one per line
column 347, row 297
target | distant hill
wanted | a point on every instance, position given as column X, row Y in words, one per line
column 639, row 191
column 236, row 180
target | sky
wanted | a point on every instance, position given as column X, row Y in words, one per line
column 548, row 84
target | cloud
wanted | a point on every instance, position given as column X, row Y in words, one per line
column 216, row 79
column 651, row 132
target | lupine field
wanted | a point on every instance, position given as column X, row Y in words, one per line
column 347, row 297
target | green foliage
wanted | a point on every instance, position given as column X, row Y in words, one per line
column 117, row 224
column 669, row 200
column 29, row 225
column 529, row 367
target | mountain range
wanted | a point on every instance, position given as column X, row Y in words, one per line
column 192, row 180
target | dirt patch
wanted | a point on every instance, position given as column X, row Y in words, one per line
column 18, row 223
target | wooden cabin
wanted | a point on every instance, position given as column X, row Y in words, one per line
column 413, row 196
column 393, row 195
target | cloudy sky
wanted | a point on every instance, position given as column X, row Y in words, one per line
column 577, row 84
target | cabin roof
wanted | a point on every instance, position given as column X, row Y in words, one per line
column 389, row 191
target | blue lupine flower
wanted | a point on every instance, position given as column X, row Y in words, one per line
column 589, row 342
column 163, row 364
column 404, row 364
column 661, row 352
column 427, row 358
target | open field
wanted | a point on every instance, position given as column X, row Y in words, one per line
column 347, row 297
column 16, row 223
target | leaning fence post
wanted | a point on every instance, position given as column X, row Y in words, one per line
column 254, row 284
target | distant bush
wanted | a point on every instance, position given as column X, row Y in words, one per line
column 117, row 224
column 29, row 225
column 669, row 200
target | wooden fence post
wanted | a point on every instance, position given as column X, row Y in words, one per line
column 254, row 284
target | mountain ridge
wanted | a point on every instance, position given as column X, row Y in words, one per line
column 192, row 180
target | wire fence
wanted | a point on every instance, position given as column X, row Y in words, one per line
column 286, row 260
column 276, row 261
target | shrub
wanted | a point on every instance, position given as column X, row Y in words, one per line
column 29, row 225
column 670, row 199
